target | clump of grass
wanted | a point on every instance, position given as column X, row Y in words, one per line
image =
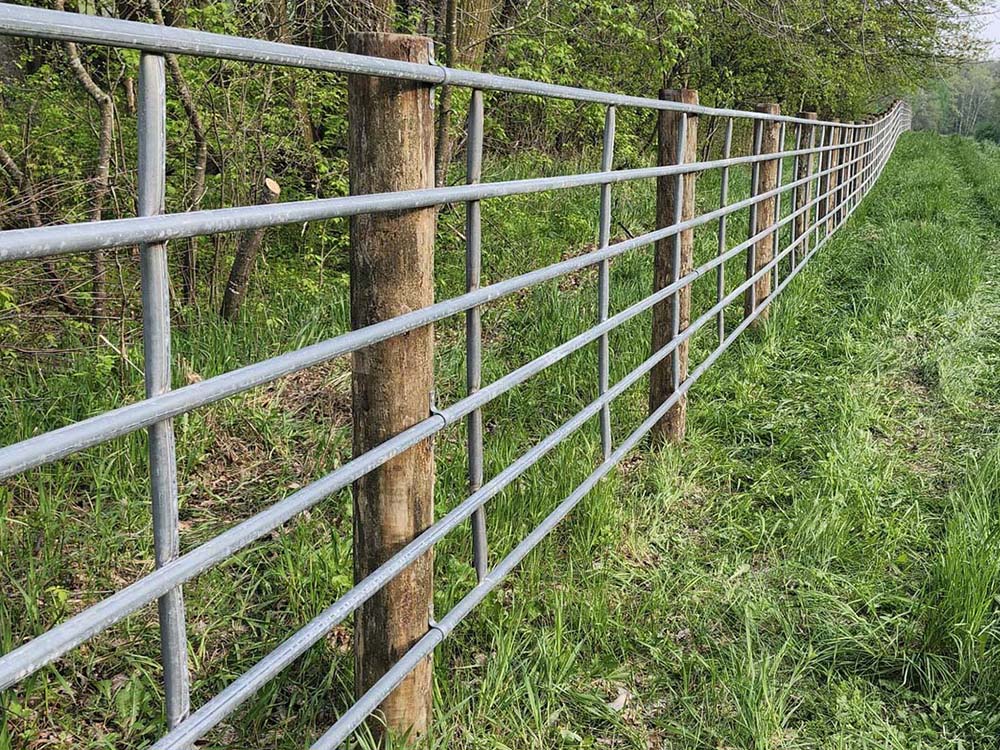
column 962, row 593
column 762, row 689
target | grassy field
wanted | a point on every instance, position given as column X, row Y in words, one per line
column 819, row 566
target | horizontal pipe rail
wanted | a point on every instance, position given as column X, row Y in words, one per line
column 62, row 239
column 87, row 433
column 39, row 23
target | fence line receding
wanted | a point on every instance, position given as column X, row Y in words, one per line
column 792, row 214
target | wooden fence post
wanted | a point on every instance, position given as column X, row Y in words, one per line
column 762, row 213
column 806, row 140
column 672, row 259
column 832, row 200
column 843, row 189
column 869, row 133
column 852, row 169
column 391, row 147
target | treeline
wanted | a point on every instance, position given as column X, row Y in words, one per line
column 965, row 102
column 67, row 134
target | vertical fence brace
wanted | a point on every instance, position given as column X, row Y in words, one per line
column 826, row 158
column 869, row 147
column 604, row 278
column 720, row 271
column 152, row 165
column 678, row 144
column 862, row 150
column 805, row 140
column 761, row 252
column 779, row 181
column 819, row 185
column 391, row 147
column 474, row 328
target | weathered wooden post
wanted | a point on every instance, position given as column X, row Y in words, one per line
column 869, row 135
column 805, row 141
column 672, row 259
column 391, row 147
column 762, row 212
column 840, row 175
column 850, row 156
column 832, row 201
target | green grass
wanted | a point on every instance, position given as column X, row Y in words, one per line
column 815, row 567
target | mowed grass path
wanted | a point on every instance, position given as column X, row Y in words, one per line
column 818, row 566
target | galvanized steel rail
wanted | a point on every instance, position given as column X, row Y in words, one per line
column 835, row 189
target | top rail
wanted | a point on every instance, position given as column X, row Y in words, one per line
column 40, row 23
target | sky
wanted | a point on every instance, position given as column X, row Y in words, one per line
column 991, row 28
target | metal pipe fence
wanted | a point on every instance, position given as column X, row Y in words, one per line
column 833, row 166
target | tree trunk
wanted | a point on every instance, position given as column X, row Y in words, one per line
column 467, row 26
column 19, row 177
column 9, row 69
column 189, row 259
column 101, row 179
column 303, row 119
column 442, row 158
column 247, row 250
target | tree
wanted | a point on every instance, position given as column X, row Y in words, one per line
column 466, row 30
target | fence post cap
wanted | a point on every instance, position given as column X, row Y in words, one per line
column 768, row 108
column 682, row 95
column 408, row 47
column 809, row 115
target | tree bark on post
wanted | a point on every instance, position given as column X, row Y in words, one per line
column 672, row 259
column 391, row 147
column 762, row 215
column 247, row 250
column 803, row 193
